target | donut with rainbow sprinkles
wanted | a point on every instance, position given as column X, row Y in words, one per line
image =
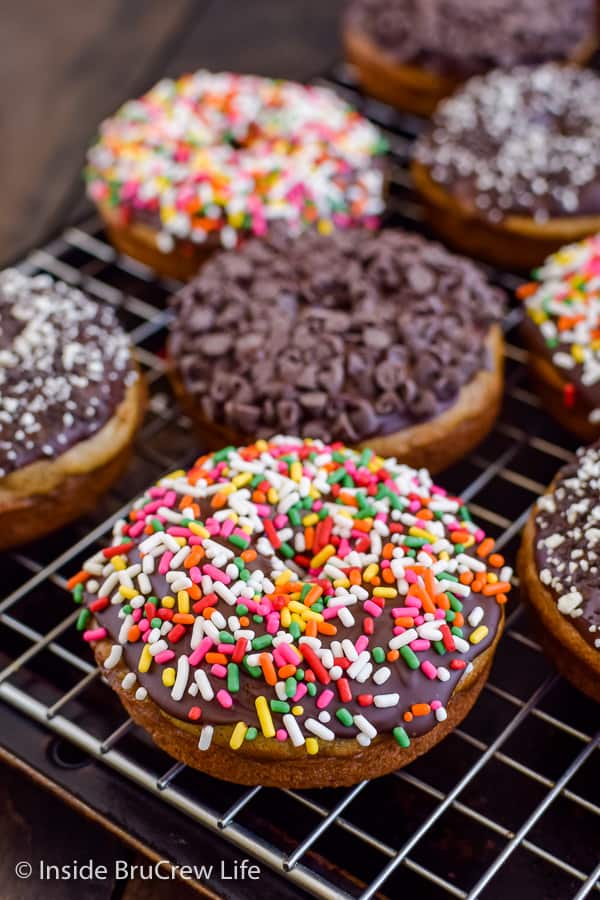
column 294, row 613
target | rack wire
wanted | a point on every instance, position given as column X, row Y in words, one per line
column 510, row 801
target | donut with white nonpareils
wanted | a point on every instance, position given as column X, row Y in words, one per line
column 384, row 338
column 411, row 54
column 510, row 166
column 293, row 613
column 70, row 401
column 204, row 160
column 559, row 565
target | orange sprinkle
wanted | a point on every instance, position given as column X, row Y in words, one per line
column 466, row 577
column 526, row 290
column 208, row 612
column 408, row 716
column 77, row 579
column 194, row 557
column 404, row 621
column 267, row 668
column 501, row 599
column 313, row 595
column 499, row 588
column 309, row 537
column 420, row 709
column 326, row 628
column 388, row 576
column 219, row 500
column 216, row 658
column 133, row 634
column 361, row 525
column 425, row 514
column 194, row 592
column 354, row 576
column 183, row 619
column 442, row 601
column 459, row 537
column 287, row 671
column 459, row 620
column 393, row 655
column 244, row 621
column 311, row 628
column 259, row 496
column 485, row 548
column 388, row 550
column 248, row 555
column 496, row 560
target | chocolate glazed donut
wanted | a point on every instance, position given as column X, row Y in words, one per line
column 382, row 339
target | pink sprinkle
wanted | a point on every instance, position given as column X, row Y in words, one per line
column 224, row 698
column 165, row 562
column 413, row 601
column 227, row 527
column 137, row 614
column 343, row 549
column 272, row 623
column 438, row 490
column 216, row 574
column 428, row 669
column 151, row 508
column 144, row 625
column 325, row 698
column 164, row 656
column 195, row 574
column 218, row 670
column 288, row 654
column 405, row 611
column 278, row 658
column 435, row 704
column 280, row 521
column 95, row 634
column 479, row 535
column 398, row 629
column 362, row 643
column 197, row 655
column 157, row 492
column 136, row 529
column 300, row 692
column 281, row 734
column 439, row 614
column 419, row 644
column 414, row 506
column 227, row 649
column 170, row 498
column 178, row 531
column 410, row 576
column 372, row 608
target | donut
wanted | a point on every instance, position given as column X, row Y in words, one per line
column 70, row 402
column 208, row 159
column 509, row 168
column 295, row 614
column 412, row 54
column 560, row 574
column 562, row 333
column 379, row 339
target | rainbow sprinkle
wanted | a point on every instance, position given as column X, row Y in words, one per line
column 225, row 154
column 299, row 591
column 564, row 304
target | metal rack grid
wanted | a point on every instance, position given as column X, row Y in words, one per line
column 510, row 801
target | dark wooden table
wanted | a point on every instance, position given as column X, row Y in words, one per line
column 64, row 66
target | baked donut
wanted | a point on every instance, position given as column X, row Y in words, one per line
column 562, row 333
column 205, row 160
column 385, row 340
column 70, row 403
column 295, row 614
column 412, row 54
column 509, row 168
column 560, row 574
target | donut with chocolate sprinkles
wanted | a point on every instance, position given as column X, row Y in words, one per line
column 295, row 614
column 559, row 567
column 71, row 399
column 383, row 339
column 509, row 168
column 412, row 53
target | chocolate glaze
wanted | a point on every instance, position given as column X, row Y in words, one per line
column 64, row 366
column 412, row 685
column 340, row 337
column 569, row 518
column 523, row 142
column 465, row 37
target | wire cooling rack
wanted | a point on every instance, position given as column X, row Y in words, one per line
column 509, row 802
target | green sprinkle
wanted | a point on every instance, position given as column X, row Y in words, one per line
column 78, row 593
column 251, row 734
column 299, row 675
column 226, row 638
column 156, row 622
column 457, row 631
column 401, row 736
column 223, row 454
column 312, row 688
column 455, row 603
column 241, row 609
column 256, row 618
column 286, row 550
column 157, row 525
column 344, row 716
column 439, row 647
column 238, row 541
column 294, row 630
column 410, row 541
column 233, row 678
column 262, row 642
column 409, row 657
column 294, row 517
column 279, row 706
column 254, row 671
column 82, row 619
column 290, row 686
column 378, row 654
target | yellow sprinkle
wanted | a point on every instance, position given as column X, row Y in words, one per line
column 577, row 353
column 145, row 660
column 183, row 601
column 310, row 519
column 178, row 473
column 119, row 563
column 341, row 582
column 262, row 445
column 322, row 556
column 312, row 746
column 128, row 593
column 264, row 716
column 297, row 710
column 285, row 576
column 168, row 677
column 168, row 602
column 181, row 541
column 246, row 528
column 479, row 634
column 421, row 533
column 313, row 493
column 296, row 471
column 304, row 611
column 286, row 617
column 242, row 479
column 370, row 572
column 537, row 315
column 272, row 495
column 325, row 226
column 444, row 554
column 237, row 735
column 385, row 592
column 199, row 530
column 492, row 578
